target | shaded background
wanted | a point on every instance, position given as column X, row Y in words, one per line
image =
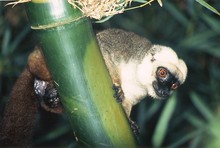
column 190, row 118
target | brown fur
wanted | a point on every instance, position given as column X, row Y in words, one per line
column 21, row 110
column 20, row 113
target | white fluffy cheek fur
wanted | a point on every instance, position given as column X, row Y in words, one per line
column 145, row 72
column 133, row 90
column 146, row 75
column 147, row 81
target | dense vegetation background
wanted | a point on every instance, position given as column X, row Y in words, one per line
column 191, row 117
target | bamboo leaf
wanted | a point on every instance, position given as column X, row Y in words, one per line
column 212, row 22
column 6, row 41
column 160, row 3
column 162, row 125
column 54, row 134
column 140, row 1
column 104, row 19
column 198, row 39
column 186, row 138
column 18, row 39
column 177, row 14
column 149, row 111
column 200, row 105
column 206, row 5
column 195, row 121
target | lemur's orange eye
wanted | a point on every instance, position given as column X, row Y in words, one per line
column 162, row 72
column 175, row 85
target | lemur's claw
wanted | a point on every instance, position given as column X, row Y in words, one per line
column 51, row 97
column 135, row 128
column 119, row 94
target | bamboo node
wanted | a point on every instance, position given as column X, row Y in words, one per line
column 57, row 24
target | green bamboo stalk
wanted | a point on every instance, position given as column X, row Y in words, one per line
column 80, row 75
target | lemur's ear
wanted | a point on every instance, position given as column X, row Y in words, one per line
column 37, row 65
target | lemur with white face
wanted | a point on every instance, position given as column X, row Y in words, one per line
column 137, row 69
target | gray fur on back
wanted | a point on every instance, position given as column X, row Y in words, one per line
column 120, row 45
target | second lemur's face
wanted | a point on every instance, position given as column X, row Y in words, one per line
column 165, row 82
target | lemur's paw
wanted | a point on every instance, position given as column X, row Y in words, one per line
column 135, row 128
column 119, row 94
column 49, row 97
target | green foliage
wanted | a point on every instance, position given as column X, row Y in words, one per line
column 163, row 122
column 205, row 4
column 13, row 55
column 201, row 107
column 192, row 120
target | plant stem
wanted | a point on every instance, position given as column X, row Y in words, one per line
column 80, row 75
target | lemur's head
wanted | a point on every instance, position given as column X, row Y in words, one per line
column 164, row 72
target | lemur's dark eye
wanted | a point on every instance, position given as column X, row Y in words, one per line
column 162, row 72
column 175, row 85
